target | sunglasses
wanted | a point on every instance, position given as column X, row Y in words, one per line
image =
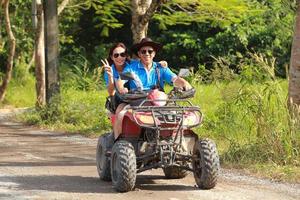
column 119, row 54
column 150, row 51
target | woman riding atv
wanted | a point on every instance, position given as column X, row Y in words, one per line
column 118, row 58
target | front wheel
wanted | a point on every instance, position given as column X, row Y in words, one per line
column 206, row 164
column 123, row 166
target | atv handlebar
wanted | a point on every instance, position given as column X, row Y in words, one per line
column 133, row 95
column 178, row 93
column 175, row 93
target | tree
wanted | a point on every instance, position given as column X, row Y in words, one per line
column 294, row 71
column 12, row 48
column 39, row 55
column 142, row 11
column 1, row 22
column 51, row 55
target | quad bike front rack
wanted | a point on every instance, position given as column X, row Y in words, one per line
column 172, row 113
column 169, row 117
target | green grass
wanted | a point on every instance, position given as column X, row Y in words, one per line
column 252, row 127
column 78, row 112
column 20, row 95
column 252, row 123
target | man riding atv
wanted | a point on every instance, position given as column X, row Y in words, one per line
column 153, row 129
column 148, row 74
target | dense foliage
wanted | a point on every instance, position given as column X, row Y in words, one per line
column 244, row 26
column 20, row 12
column 195, row 33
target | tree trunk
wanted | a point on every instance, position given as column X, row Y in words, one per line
column 40, row 57
column 51, row 55
column 60, row 9
column 142, row 11
column 12, row 48
column 294, row 71
column 1, row 22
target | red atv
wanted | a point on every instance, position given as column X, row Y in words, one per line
column 157, row 133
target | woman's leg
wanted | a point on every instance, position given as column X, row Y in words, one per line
column 120, row 112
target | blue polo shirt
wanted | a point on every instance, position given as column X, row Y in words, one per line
column 115, row 73
column 149, row 79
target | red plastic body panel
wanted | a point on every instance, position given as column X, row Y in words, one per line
column 129, row 127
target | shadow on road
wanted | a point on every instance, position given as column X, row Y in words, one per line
column 54, row 163
column 80, row 184
column 55, row 183
column 152, row 182
column 164, row 187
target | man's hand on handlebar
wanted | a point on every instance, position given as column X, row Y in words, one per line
column 123, row 91
column 187, row 86
column 181, row 83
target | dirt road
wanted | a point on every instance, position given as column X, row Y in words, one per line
column 39, row 164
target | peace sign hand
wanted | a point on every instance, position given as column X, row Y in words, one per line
column 108, row 69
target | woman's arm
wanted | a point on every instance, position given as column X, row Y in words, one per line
column 111, row 88
column 110, row 84
column 163, row 63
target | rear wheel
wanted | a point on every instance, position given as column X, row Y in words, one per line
column 174, row 172
column 103, row 162
column 206, row 164
column 123, row 166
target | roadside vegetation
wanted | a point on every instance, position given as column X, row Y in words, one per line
column 238, row 52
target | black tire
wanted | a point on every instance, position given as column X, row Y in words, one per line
column 123, row 166
column 174, row 172
column 206, row 164
column 102, row 161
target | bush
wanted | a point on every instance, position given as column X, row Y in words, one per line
column 74, row 111
column 80, row 75
column 254, row 121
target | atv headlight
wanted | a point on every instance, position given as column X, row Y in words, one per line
column 191, row 119
column 145, row 118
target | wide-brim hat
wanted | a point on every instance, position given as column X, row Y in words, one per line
column 146, row 42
